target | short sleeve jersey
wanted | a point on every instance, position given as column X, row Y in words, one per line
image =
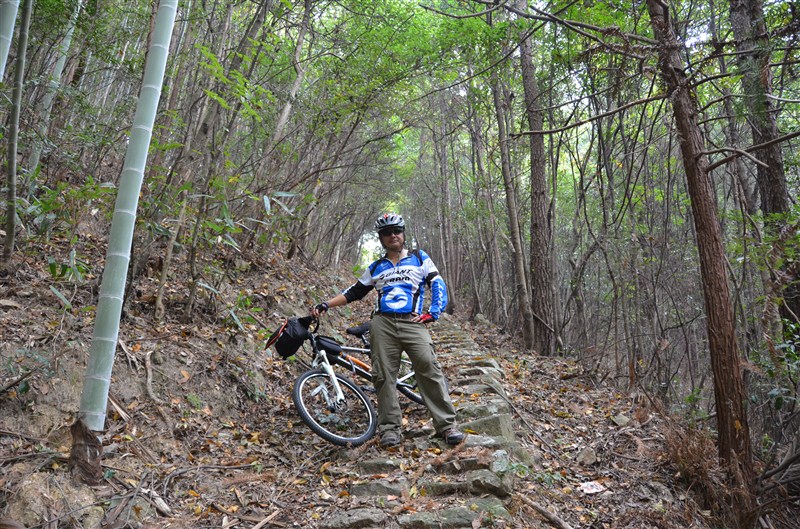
column 401, row 288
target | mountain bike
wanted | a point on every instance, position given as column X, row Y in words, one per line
column 331, row 404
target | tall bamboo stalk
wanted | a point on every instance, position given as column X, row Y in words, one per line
column 8, row 15
column 109, row 308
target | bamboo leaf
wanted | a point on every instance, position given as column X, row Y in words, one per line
column 64, row 301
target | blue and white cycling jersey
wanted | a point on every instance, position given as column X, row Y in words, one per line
column 401, row 287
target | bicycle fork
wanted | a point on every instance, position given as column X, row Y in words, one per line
column 335, row 401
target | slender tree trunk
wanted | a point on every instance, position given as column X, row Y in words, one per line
column 448, row 265
column 162, row 282
column 486, row 225
column 300, row 73
column 752, row 45
column 576, row 295
column 11, row 180
column 53, row 83
column 542, row 285
column 729, row 392
column 523, row 300
column 194, row 270
column 453, row 234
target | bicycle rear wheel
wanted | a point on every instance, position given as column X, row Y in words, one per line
column 351, row 422
column 406, row 383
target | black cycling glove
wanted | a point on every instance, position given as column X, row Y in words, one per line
column 322, row 307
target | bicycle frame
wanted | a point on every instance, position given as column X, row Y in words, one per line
column 362, row 369
column 328, row 353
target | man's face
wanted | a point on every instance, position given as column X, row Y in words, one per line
column 392, row 238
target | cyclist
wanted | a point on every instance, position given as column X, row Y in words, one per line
column 401, row 278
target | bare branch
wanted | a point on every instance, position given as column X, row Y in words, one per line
column 552, row 518
column 740, row 152
column 782, row 99
column 752, row 148
column 17, row 380
column 593, row 118
column 495, row 7
column 572, row 24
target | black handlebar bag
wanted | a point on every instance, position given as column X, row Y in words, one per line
column 290, row 336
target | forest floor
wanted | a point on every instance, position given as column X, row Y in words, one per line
column 201, row 431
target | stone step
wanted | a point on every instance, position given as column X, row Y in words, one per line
column 473, row 483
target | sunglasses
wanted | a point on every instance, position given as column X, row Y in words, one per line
column 391, row 231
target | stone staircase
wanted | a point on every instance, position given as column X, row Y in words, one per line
column 465, row 484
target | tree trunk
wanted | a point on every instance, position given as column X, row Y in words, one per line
column 162, row 282
column 753, row 56
column 729, row 392
column 518, row 259
column 448, row 265
column 53, row 83
column 486, row 224
column 300, row 72
column 542, row 286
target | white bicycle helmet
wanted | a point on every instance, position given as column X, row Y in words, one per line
column 389, row 220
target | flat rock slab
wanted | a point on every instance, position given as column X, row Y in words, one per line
column 499, row 425
column 481, row 481
column 379, row 487
column 475, row 371
column 485, row 380
column 355, row 519
column 464, row 464
column 455, row 517
column 483, row 361
column 379, row 466
column 473, row 390
column 488, row 406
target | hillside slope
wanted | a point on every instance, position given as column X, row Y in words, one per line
column 202, row 432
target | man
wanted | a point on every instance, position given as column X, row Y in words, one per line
column 401, row 278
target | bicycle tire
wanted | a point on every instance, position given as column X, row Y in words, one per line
column 409, row 388
column 351, row 425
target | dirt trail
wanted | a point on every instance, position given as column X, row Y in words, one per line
column 202, row 432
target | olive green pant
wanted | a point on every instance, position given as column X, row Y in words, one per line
column 390, row 337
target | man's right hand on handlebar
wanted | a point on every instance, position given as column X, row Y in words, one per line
column 336, row 301
column 319, row 309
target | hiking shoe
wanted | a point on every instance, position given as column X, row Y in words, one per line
column 452, row 436
column 390, row 438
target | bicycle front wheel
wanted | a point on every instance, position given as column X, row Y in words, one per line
column 349, row 422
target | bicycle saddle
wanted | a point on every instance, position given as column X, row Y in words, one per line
column 359, row 330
